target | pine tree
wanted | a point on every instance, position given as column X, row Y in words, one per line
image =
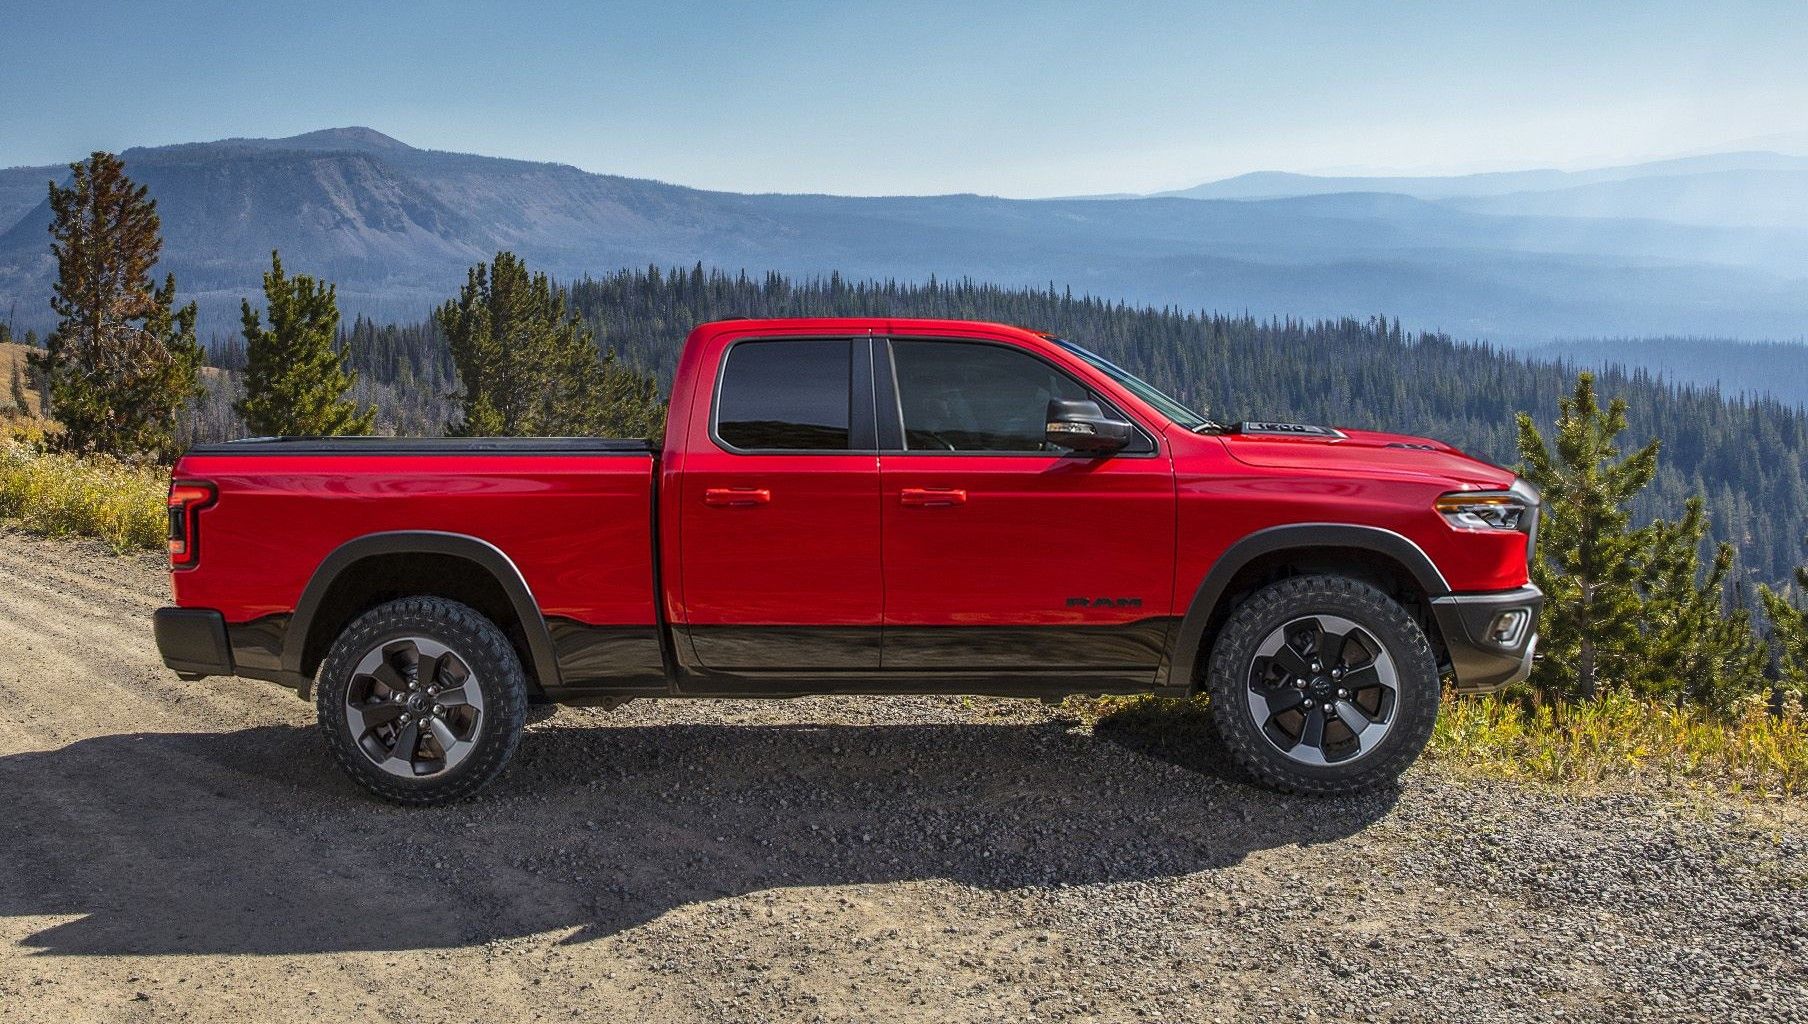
column 1590, row 565
column 1691, row 645
column 1789, row 629
column 123, row 361
column 296, row 379
column 527, row 365
column 20, row 402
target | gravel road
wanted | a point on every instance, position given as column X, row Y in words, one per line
column 185, row 852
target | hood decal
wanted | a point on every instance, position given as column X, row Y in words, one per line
column 1269, row 429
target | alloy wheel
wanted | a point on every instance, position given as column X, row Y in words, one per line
column 414, row 707
column 1323, row 690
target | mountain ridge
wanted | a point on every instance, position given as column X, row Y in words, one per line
column 395, row 227
column 1278, row 184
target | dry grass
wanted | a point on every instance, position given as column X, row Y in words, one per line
column 1621, row 737
column 1618, row 737
column 60, row 495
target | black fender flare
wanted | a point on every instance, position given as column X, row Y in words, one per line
column 1184, row 655
column 485, row 555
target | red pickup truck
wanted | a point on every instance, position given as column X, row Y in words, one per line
column 861, row 506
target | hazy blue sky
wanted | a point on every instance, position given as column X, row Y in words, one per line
column 852, row 97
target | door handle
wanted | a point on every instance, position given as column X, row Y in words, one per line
column 932, row 497
column 736, row 497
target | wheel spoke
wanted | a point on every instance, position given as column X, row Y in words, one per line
column 378, row 712
column 1283, row 700
column 431, row 668
column 444, row 734
column 1312, row 733
column 1291, row 661
column 408, row 740
column 457, row 697
column 1352, row 716
column 1329, row 645
column 386, row 674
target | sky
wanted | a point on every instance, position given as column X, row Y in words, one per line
column 909, row 98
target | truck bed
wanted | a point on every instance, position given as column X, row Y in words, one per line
column 571, row 517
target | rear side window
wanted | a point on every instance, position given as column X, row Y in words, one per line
column 958, row 397
column 785, row 396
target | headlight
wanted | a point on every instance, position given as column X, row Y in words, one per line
column 1484, row 510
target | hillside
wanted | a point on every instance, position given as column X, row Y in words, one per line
column 12, row 361
column 1778, row 369
column 396, row 226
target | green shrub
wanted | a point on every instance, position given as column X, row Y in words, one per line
column 62, row 495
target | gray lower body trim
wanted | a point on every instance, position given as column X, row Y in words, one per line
column 617, row 658
column 192, row 641
column 1480, row 662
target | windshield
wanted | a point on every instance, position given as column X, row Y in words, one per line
column 1169, row 407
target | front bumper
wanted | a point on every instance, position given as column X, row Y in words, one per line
column 193, row 641
column 1484, row 654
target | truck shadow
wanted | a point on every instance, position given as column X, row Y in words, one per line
column 252, row 842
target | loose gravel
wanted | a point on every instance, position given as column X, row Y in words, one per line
column 176, row 851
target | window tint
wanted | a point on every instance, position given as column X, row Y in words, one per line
column 976, row 398
column 785, row 394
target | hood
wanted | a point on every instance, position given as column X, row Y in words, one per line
column 1306, row 447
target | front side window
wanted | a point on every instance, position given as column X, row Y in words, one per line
column 789, row 395
column 960, row 397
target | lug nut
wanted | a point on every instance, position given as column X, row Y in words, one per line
column 1343, row 695
column 1318, row 666
column 1307, row 702
column 1337, row 673
column 439, row 709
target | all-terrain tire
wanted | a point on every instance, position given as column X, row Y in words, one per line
column 480, row 653
column 1235, row 666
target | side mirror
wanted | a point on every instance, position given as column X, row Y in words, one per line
column 1083, row 427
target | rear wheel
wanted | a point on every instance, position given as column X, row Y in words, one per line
column 1323, row 685
column 422, row 700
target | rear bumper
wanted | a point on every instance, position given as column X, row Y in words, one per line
column 193, row 641
column 1485, row 654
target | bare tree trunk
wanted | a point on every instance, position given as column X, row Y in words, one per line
column 1585, row 669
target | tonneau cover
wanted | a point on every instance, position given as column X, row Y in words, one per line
column 426, row 446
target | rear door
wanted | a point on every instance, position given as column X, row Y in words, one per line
column 780, row 519
column 1000, row 552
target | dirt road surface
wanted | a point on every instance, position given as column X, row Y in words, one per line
column 177, row 851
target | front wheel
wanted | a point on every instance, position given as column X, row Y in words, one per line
column 422, row 700
column 1323, row 685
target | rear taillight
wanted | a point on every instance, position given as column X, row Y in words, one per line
column 186, row 499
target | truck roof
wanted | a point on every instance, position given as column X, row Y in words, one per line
column 865, row 324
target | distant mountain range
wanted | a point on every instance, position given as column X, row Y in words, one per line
column 1279, row 184
column 1700, row 246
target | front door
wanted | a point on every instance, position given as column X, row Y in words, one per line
column 779, row 528
column 1002, row 553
